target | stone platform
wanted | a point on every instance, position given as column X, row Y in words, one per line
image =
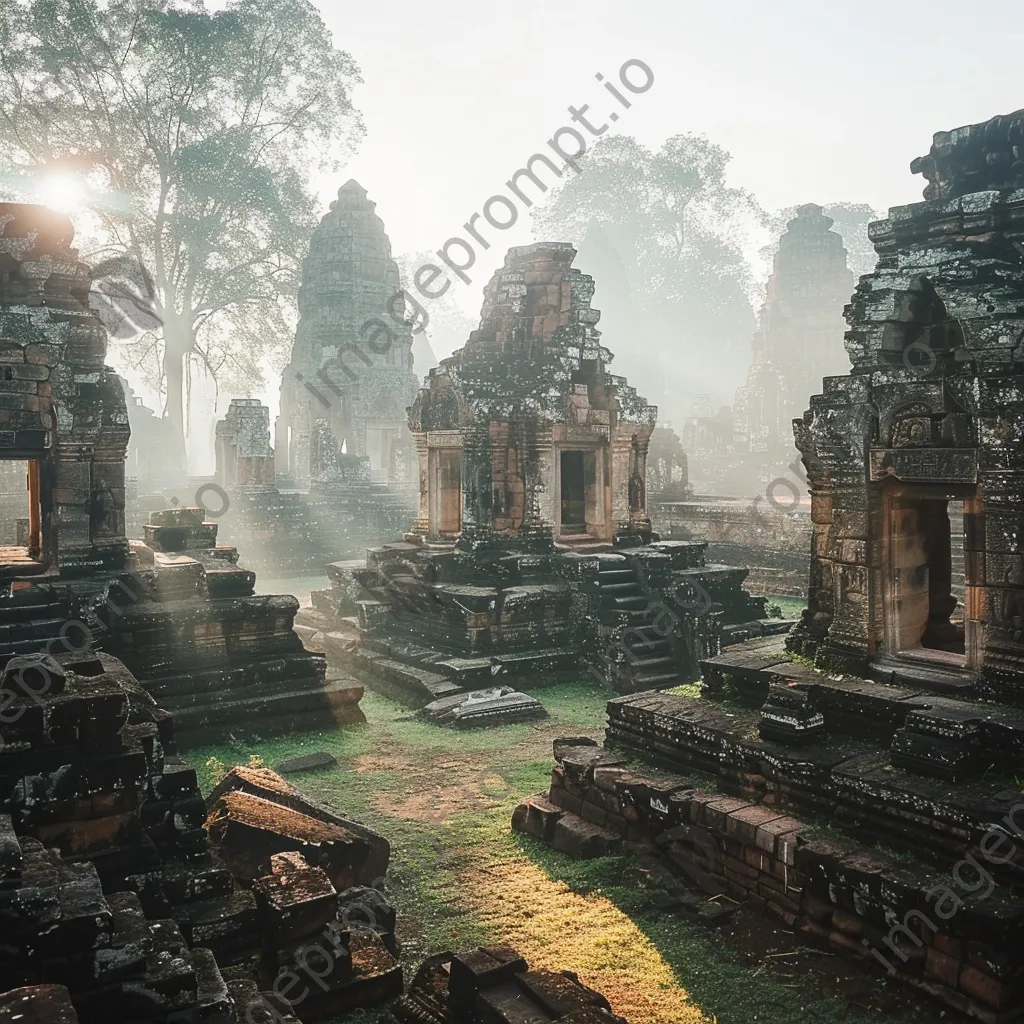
column 186, row 623
column 426, row 622
column 770, row 761
column 948, row 936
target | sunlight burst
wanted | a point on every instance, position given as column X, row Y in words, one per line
column 63, row 192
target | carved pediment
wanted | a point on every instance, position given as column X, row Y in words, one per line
column 441, row 406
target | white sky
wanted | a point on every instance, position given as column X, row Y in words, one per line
column 816, row 102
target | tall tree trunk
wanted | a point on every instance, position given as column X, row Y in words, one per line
column 177, row 345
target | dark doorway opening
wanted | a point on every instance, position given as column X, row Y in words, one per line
column 926, row 581
column 20, row 514
column 573, row 493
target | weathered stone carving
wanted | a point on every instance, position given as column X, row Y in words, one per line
column 931, row 411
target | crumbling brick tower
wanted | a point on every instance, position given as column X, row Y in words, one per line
column 62, row 412
column 523, row 435
column 926, row 428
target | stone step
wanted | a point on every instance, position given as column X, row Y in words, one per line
column 609, row 576
column 408, row 684
column 853, row 783
column 640, row 648
column 623, row 589
column 658, row 680
column 336, row 703
column 643, row 664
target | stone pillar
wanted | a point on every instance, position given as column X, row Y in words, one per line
column 621, row 459
column 421, row 524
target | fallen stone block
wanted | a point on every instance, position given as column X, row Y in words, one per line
column 267, row 784
column 497, row 705
column 494, row 985
column 537, row 816
column 307, row 763
column 37, row 1004
column 294, row 901
column 248, row 830
column 582, row 839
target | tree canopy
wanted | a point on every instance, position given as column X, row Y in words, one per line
column 680, row 233
column 198, row 133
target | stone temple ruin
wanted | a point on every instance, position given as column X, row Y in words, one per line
column 341, row 473
column 123, row 894
column 532, row 544
column 765, row 525
column 797, row 343
column 894, row 710
column 351, row 366
column 176, row 609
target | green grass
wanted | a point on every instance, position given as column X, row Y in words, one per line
column 396, row 758
column 791, row 606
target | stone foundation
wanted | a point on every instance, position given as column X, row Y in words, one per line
column 920, row 928
column 426, row 622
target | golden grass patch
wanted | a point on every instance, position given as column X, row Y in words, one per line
column 557, row 929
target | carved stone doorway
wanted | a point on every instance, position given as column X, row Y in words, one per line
column 581, row 497
column 445, row 491
column 573, row 493
column 923, row 559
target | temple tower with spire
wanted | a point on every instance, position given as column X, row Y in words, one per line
column 351, row 371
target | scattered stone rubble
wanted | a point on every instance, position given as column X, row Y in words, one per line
column 532, row 547
column 494, row 985
column 254, row 813
column 109, row 885
column 875, row 715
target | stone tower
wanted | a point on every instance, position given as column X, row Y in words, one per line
column 915, row 456
column 523, row 433
column 351, row 371
column 798, row 340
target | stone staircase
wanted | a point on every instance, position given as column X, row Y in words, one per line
column 638, row 654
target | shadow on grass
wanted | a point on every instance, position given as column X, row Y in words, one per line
column 718, row 981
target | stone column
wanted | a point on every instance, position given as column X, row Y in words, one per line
column 421, row 524
column 621, row 457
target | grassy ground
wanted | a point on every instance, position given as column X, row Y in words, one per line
column 791, row 606
column 460, row 877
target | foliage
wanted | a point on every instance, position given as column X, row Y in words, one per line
column 680, row 231
column 198, row 131
column 215, row 768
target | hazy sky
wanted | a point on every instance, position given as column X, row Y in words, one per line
column 816, row 102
